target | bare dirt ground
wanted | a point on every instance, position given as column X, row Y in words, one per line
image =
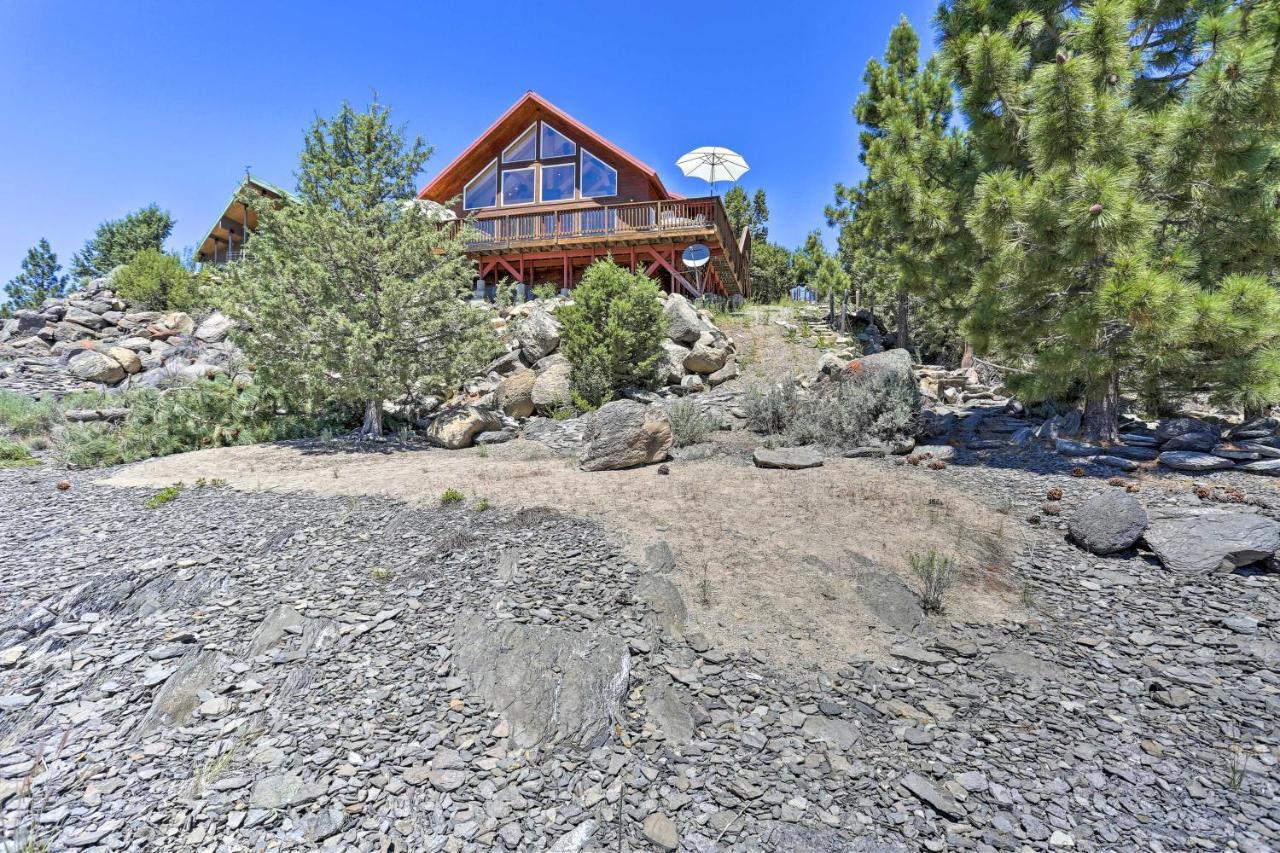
column 765, row 558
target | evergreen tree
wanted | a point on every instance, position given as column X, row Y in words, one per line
column 40, row 279
column 117, row 241
column 1108, row 265
column 771, row 271
column 747, row 213
column 351, row 294
column 903, row 225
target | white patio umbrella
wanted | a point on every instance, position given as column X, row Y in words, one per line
column 712, row 163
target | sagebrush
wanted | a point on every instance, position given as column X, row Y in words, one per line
column 855, row 409
column 689, row 424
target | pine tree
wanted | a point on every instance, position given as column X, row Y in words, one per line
column 902, row 226
column 39, row 280
column 745, row 212
column 117, row 241
column 1109, row 267
column 350, row 295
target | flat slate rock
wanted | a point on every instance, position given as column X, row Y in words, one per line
column 1190, row 460
column 788, row 458
column 1203, row 539
column 1270, row 467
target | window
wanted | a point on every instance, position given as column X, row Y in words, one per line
column 557, row 182
column 555, row 143
column 599, row 180
column 483, row 189
column 517, row 186
column 522, row 149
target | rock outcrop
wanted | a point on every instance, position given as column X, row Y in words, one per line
column 624, row 434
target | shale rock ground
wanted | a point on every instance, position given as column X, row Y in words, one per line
column 244, row 670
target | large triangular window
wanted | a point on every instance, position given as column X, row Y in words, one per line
column 555, row 143
column 482, row 191
column 599, row 179
column 523, row 148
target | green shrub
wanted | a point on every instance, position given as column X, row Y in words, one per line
column 162, row 497
column 689, row 425
column 546, row 290
column 854, row 409
column 207, row 413
column 157, row 281
column 936, row 574
column 28, row 417
column 15, row 455
column 612, row 332
column 451, row 496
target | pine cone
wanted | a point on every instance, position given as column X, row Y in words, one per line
column 1095, row 209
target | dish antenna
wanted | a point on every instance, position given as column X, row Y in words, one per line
column 695, row 257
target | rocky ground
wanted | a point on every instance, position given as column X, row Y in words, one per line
column 245, row 670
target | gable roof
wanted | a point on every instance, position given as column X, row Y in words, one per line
column 449, row 182
column 205, row 247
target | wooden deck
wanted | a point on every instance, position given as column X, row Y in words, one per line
column 564, row 229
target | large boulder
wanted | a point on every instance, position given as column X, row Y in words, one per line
column 684, row 326
column 126, row 358
column 457, row 427
column 624, row 434
column 1107, row 523
column 553, row 387
column 514, row 395
column 215, row 328
column 1202, row 539
column 705, row 358
column 91, row 366
column 896, row 362
column 1200, row 442
column 538, row 335
column 550, row 684
column 66, row 331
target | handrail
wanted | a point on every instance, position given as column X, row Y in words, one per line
column 658, row 217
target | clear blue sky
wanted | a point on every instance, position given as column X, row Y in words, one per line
column 111, row 106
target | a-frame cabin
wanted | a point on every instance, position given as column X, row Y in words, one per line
column 539, row 196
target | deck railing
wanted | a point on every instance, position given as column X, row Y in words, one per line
column 686, row 216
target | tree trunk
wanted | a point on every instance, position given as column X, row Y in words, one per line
column 966, row 360
column 904, row 341
column 831, row 308
column 1102, row 415
column 844, row 313
column 372, row 427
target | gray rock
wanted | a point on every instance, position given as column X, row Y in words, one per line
column 215, row 328
column 1270, row 467
column 668, row 714
column 891, row 600
column 923, row 790
column 1116, row 462
column 457, row 427
column 624, row 434
column 724, row 374
column 514, row 395
column 1189, row 460
column 1203, row 539
column 538, row 335
column 1182, row 426
column 1068, row 447
column 665, row 602
column 1200, row 442
column 284, row 790
column 1110, row 522
column 92, row 366
column 177, row 700
column 552, row 389
column 705, row 359
column 788, row 458
column 82, row 317
column 684, row 326
column 551, row 684
column 1137, row 453
column 661, row 832
column 671, row 366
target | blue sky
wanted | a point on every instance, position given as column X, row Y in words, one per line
column 111, row 106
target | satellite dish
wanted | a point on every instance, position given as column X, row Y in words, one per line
column 696, row 256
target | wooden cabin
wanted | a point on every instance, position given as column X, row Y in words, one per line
column 539, row 196
column 225, row 240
